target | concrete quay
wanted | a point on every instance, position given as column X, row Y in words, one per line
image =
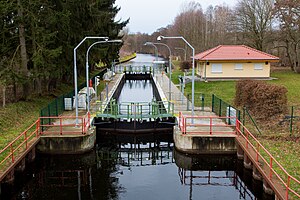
column 204, row 140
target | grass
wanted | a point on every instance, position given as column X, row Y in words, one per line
column 16, row 117
column 277, row 140
column 290, row 80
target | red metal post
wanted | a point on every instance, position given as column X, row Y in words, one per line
column 210, row 125
column 12, row 153
column 237, row 127
column 271, row 167
column 184, row 125
column 83, row 122
column 60, row 125
column 257, row 152
column 25, row 137
column 37, row 127
column 287, row 187
column 247, row 138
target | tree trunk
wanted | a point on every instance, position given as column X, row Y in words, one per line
column 23, row 51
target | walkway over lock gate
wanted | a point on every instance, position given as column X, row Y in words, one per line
column 135, row 110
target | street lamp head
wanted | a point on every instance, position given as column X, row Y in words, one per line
column 148, row 43
column 106, row 39
column 159, row 38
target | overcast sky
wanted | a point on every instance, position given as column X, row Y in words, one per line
column 146, row 16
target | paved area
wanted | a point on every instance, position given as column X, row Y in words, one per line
column 218, row 128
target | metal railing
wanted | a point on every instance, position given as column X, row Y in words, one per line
column 65, row 125
column 269, row 164
column 221, row 108
column 10, row 154
column 132, row 69
column 263, row 158
column 135, row 110
column 211, row 125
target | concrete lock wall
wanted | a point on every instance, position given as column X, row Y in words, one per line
column 204, row 144
column 67, row 145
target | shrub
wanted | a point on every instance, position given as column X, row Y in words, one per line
column 264, row 101
column 185, row 65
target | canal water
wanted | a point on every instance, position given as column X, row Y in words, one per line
column 136, row 91
column 134, row 167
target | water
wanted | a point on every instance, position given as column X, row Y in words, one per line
column 136, row 91
column 126, row 171
column 130, row 167
column 142, row 59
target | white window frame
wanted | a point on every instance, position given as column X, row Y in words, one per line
column 258, row 66
column 216, row 69
column 238, row 66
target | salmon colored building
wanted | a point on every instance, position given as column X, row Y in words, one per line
column 234, row 62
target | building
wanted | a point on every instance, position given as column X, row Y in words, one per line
column 234, row 62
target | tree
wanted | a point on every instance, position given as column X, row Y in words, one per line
column 37, row 40
column 288, row 14
column 253, row 20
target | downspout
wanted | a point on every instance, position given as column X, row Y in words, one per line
column 205, row 70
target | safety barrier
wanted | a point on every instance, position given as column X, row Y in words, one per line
column 135, row 110
column 263, row 158
column 10, row 154
column 222, row 108
column 206, row 124
column 65, row 125
column 269, row 164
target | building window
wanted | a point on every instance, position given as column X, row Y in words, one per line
column 216, row 68
column 238, row 66
column 258, row 66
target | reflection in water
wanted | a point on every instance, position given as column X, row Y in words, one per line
column 136, row 91
column 127, row 167
column 142, row 169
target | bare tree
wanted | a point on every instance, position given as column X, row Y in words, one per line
column 288, row 13
column 253, row 20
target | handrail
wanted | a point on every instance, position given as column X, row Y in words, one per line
column 289, row 182
column 208, row 124
column 136, row 110
column 22, row 142
column 61, row 127
column 268, row 162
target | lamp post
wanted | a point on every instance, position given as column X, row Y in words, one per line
column 87, row 68
column 156, row 53
column 75, row 71
column 177, row 48
column 159, row 38
column 170, row 67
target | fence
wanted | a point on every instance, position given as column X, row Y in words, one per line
column 221, row 108
column 135, row 110
column 65, row 125
column 199, row 101
column 287, row 186
column 211, row 125
column 12, row 152
column 57, row 106
column 275, row 172
column 294, row 120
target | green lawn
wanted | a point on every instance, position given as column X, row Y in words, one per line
column 226, row 89
column 291, row 81
column 280, row 144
